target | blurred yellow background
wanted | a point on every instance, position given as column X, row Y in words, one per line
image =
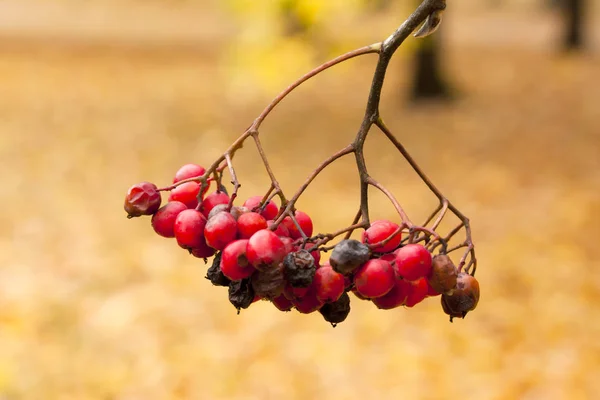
column 98, row 95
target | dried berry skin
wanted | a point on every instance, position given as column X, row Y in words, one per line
column 337, row 311
column 214, row 273
column 142, row 199
column 269, row 283
column 299, row 269
column 464, row 299
column 241, row 294
column 348, row 255
column 443, row 274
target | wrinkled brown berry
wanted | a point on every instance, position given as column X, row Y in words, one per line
column 241, row 294
column 464, row 298
column 269, row 283
column 443, row 274
column 214, row 273
column 299, row 268
column 348, row 255
column 142, row 199
column 337, row 311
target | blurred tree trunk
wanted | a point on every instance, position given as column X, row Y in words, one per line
column 428, row 80
column 574, row 11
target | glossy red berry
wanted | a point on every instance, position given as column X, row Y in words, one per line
column 375, row 278
column 308, row 303
column 382, row 230
column 249, row 223
column 189, row 229
column 142, row 199
column 187, row 193
column 288, row 243
column 234, row 263
column 213, row 200
column 329, row 284
column 188, row 171
column 413, row 262
column 303, row 220
column 270, row 210
column 282, row 303
column 417, row 292
column 265, row 249
column 292, row 293
column 163, row 221
column 220, row 230
column 395, row 297
column 281, row 229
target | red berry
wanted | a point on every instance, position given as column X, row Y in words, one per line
column 413, row 261
column 288, row 243
column 265, row 249
column 431, row 292
column 328, row 284
column 188, row 171
column 142, row 199
column 358, row 295
column 389, row 257
column 282, row 303
column 163, row 221
column 309, row 302
column 394, row 298
column 250, row 223
column 213, row 200
column 220, row 230
column 303, row 220
column 375, row 278
column 270, row 210
column 281, row 229
column 234, row 263
column 203, row 251
column 187, row 193
column 189, row 229
column 292, row 293
column 417, row 292
column 380, row 231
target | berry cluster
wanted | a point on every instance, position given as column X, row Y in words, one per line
column 259, row 255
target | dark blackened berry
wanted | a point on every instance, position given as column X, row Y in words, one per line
column 348, row 255
column 214, row 273
column 241, row 294
column 337, row 311
column 269, row 283
column 299, row 268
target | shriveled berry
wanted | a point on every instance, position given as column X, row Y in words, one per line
column 338, row 311
column 269, row 211
column 417, row 292
column 241, row 294
column 443, row 275
column 395, row 297
column 163, row 221
column 265, row 249
column 413, row 262
column 142, row 199
column 348, row 255
column 189, row 229
column 214, row 273
column 269, row 283
column 203, row 250
column 250, row 223
column 464, row 298
column 188, row 171
column 383, row 230
column 213, row 200
column 328, row 284
column 234, row 263
column 308, row 303
column 299, row 268
column 303, row 220
column 187, row 193
column 220, row 230
column 375, row 278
